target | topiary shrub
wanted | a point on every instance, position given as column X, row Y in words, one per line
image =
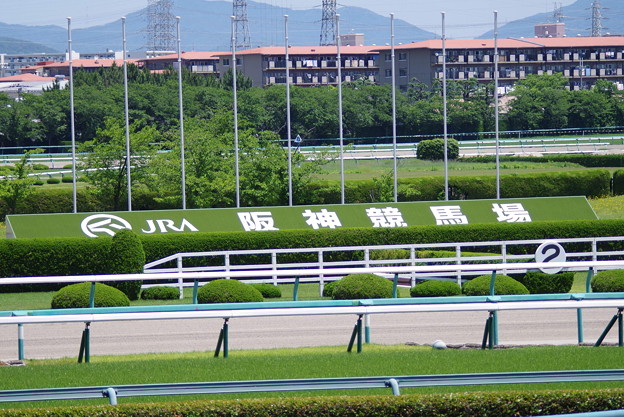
column 433, row 149
column 268, row 290
column 505, row 285
column 608, row 281
column 362, row 286
column 38, row 182
column 328, row 288
column 160, row 293
column 66, row 180
column 40, row 167
column 126, row 256
column 53, row 180
column 435, row 289
column 77, row 296
column 227, row 291
column 541, row 283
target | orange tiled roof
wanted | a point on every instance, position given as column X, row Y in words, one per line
column 513, row 43
column 90, row 63
column 187, row 56
column 25, row 77
column 305, row 50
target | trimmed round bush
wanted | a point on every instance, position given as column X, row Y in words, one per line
column 268, row 290
column 38, row 182
column 541, row 283
column 228, row 291
column 53, row 180
column 608, row 281
column 77, row 296
column 39, row 167
column 362, row 286
column 328, row 288
column 433, row 149
column 160, row 293
column 126, row 256
column 66, row 180
column 505, row 285
column 435, row 289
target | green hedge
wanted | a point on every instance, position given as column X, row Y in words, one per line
column 160, row 293
column 503, row 285
column 228, row 291
column 586, row 160
column 77, row 296
column 126, row 256
column 362, row 286
column 435, row 289
column 470, row 404
column 608, row 281
column 541, row 283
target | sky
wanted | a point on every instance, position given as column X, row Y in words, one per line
column 464, row 19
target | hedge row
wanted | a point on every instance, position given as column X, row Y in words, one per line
column 590, row 183
column 75, row 256
column 586, row 160
column 482, row 404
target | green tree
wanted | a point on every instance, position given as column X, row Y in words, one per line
column 105, row 162
column 16, row 187
column 539, row 102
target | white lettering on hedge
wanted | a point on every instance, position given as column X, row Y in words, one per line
column 166, row 225
column 386, row 217
column 448, row 215
column 322, row 218
column 258, row 221
column 511, row 213
column 98, row 224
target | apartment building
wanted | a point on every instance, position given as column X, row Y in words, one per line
column 205, row 63
column 308, row 65
column 582, row 60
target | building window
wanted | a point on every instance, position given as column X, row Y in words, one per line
column 402, row 56
column 402, row 72
column 388, row 57
column 226, row 61
column 388, row 73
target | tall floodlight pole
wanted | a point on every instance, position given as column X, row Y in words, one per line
column 288, row 131
column 235, row 105
column 181, row 106
column 496, row 132
column 125, row 73
column 339, row 80
column 394, row 126
column 71, row 113
column 446, row 180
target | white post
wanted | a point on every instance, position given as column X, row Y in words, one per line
column 181, row 106
column 235, row 106
column 288, row 127
column 125, row 73
column 71, row 114
column 394, row 125
column 446, row 179
column 496, row 112
column 340, row 130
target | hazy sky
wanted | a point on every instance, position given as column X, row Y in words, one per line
column 463, row 18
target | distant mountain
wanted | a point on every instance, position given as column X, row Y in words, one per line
column 17, row 46
column 577, row 19
column 206, row 26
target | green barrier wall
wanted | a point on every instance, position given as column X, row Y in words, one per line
column 335, row 217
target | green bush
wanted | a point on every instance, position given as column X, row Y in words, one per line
column 228, row 291
column 126, row 256
column 38, row 182
column 618, row 182
column 53, row 180
column 541, row 283
column 160, row 293
column 608, row 281
column 77, row 296
column 66, row 180
column 435, row 289
column 328, row 288
column 433, row 149
column 268, row 290
column 40, row 167
column 362, row 286
column 504, row 285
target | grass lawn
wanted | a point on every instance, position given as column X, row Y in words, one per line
column 322, row 362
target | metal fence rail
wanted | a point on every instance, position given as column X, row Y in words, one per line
column 114, row 392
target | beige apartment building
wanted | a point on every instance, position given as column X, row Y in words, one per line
column 582, row 60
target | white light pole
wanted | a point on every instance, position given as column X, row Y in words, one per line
column 181, row 106
column 339, row 80
column 235, row 105
column 394, row 126
column 71, row 114
column 446, row 179
column 496, row 132
column 125, row 73
column 288, row 127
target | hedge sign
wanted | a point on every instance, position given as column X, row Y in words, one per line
column 334, row 217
